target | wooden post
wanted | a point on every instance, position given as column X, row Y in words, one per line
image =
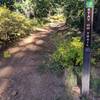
column 88, row 27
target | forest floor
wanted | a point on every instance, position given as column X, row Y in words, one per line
column 20, row 78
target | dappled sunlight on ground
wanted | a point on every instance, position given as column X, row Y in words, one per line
column 19, row 77
column 27, row 43
column 4, row 84
column 6, row 72
column 14, row 50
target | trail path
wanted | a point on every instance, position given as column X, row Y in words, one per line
column 19, row 77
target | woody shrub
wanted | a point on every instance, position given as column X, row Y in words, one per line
column 13, row 25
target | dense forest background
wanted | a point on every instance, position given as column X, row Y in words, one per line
column 20, row 18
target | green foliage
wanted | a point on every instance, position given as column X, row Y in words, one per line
column 56, row 6
column 85, row 98
column 6, row 54
column 26, row 7
column 39, row 8
column 69, row 54
column 74, row 11
column 7, row 3
column 48, row 7
column 95, row 85
column 42, row 8
column 97, row 2
column 13, row 25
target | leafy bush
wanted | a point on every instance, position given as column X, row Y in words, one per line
column 13, row 25
column 47, row 7
column 69, row 54
column 8, row 3
column 26, row 7
column 35, row 8
column 74, row 12
column 39, row 8
column 95, row 85
column 42, row 8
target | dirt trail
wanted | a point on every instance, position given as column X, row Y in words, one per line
column 19, row 77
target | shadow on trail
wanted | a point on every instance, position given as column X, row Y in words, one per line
column 19, row 77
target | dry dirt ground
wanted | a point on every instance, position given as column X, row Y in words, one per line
column 20, row 78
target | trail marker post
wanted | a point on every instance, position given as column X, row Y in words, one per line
column 88, row 27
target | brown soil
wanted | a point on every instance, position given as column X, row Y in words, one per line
column 19, row 77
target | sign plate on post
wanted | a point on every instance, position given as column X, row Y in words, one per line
column 88, row 25
column 89, row 4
